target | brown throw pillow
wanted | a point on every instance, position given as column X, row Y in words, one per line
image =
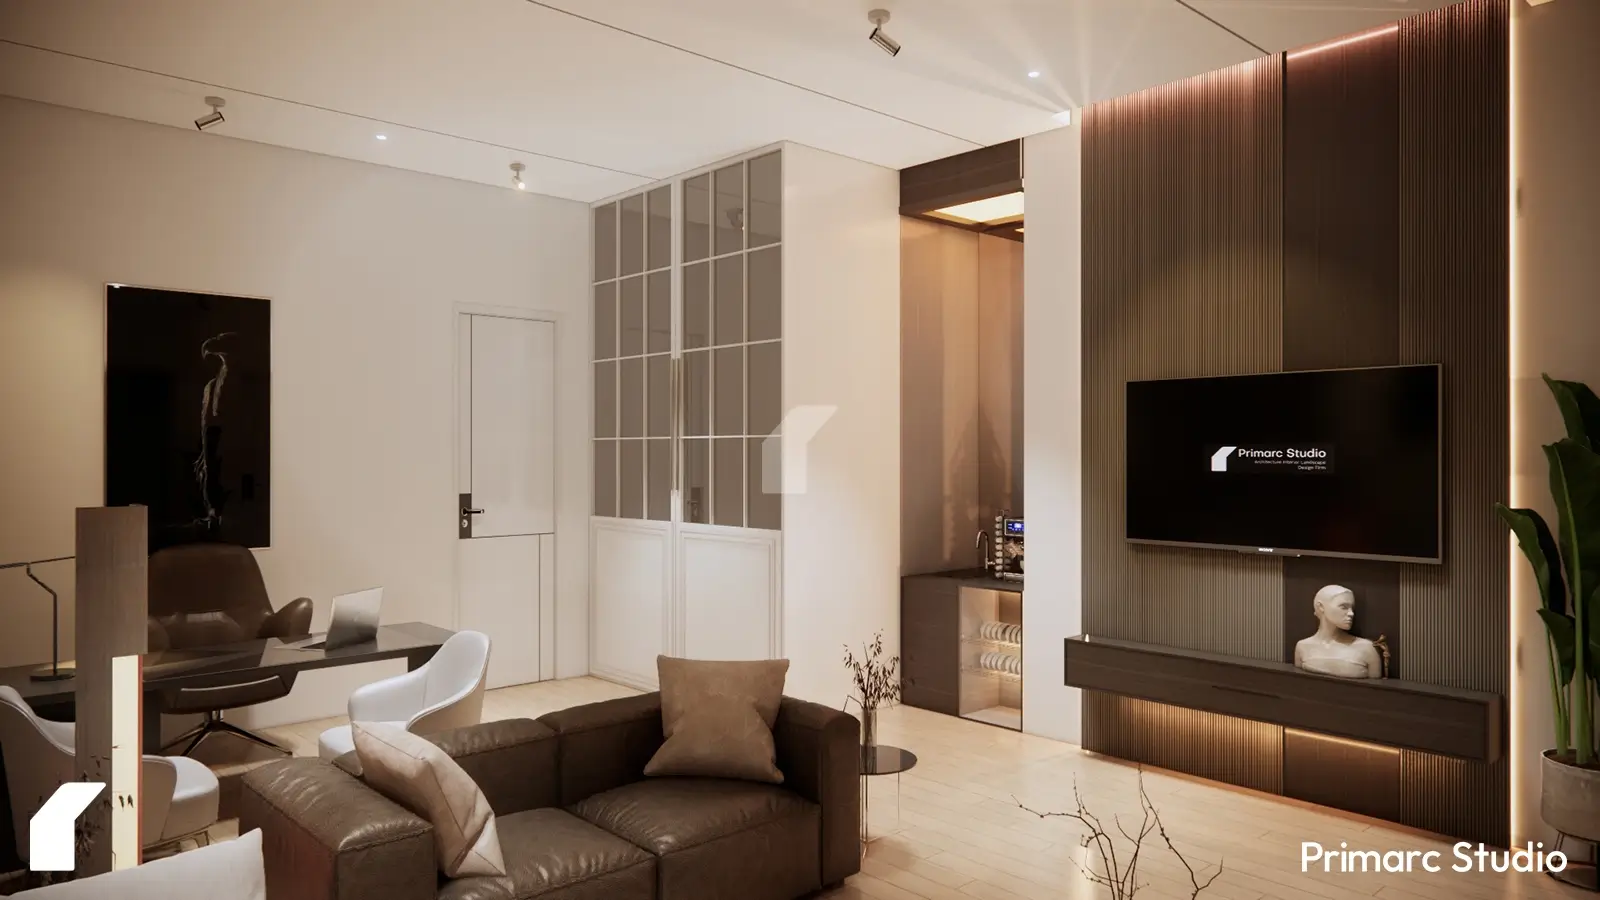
column 717, row 717
column 415, row 773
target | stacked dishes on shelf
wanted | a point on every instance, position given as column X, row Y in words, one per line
column 995, row 661
column 1001, row 631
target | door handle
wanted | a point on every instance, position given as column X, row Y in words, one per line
column 468, row 511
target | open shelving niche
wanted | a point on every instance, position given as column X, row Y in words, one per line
column 989, row 695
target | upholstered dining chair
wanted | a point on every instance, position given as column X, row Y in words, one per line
column 178, row 797
column 444, row 693
column 205, row 595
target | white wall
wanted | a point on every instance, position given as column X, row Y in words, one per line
column 1555, row 317
column 841, row 348
column 364, row 265
column 1052, row 603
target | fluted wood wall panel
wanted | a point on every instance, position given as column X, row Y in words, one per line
column 1454, row 310
column 1182, row 203
column 1229, row 229
column 1222, row 748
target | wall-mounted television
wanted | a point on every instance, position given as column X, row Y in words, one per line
column 1340, row 462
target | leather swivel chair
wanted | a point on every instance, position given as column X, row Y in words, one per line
column 205, row 595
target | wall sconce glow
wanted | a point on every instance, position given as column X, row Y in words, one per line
column 989, row 211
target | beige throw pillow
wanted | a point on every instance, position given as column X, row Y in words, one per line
column 415, row 773
column 717, row 717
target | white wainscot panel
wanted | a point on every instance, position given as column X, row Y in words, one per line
column 630, row 567
column 729, row 581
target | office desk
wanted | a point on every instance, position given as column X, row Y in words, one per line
column 415, row 642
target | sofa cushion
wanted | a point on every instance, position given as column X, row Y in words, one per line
column 717, row 718
column 415, row 773
column 554, row 855
column 717, row 839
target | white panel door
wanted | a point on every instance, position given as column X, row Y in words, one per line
column 512, row 413
column 728, row 582
column 506, row 481
column 631, row 571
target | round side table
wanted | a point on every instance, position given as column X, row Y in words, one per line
column 882, row 760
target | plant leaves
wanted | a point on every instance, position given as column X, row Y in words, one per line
column 1539, row 546
column 1575, row 485
column 1580, row 410
column 1561, row 628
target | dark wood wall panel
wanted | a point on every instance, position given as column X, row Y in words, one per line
column 1454, row 310
column 1222, row 748
column 1188, row 284
column 1344, row 207
column 1341, row 247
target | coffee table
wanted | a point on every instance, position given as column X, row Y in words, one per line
column 882, row 760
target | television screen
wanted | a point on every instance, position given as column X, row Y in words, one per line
column 1330, row 463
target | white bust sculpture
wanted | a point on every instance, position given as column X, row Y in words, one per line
column 1333, row 650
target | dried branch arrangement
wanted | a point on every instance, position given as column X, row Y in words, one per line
column 1118, row 873
column 877, row 680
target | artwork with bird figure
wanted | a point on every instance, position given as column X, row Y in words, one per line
column 188, row 413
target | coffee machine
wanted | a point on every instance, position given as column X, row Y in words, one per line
column 1007, row 547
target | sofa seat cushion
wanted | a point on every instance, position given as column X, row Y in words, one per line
column 554, row 855
column 717, row 839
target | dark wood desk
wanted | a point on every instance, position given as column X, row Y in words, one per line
column 415, row 642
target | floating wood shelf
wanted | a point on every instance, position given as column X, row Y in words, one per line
column 1405, row 714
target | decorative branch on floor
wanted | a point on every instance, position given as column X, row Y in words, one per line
column 1120, row 875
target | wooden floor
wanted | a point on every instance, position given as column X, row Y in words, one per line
column 954, row 829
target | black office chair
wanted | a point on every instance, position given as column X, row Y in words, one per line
column 203, row 595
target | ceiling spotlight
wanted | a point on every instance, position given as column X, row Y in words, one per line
column 383, row 137
column 878, row 18
column 1033, row 74
column 516, row 176
column 214, row 117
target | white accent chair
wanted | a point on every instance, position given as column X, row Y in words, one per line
column 179, row 795
column 445, row 693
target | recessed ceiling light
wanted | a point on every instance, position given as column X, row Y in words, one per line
column 1033, row 74
column 383, row 137
column 989, row 211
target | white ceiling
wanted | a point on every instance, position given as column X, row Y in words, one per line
column 599, row 96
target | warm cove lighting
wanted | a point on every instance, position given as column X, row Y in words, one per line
column 987, row 211
column 1342, row 42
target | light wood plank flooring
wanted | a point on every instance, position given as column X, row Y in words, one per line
column 957, row 832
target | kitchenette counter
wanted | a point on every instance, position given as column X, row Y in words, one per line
column 974, row 578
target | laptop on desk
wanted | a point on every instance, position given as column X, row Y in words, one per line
column 355, row 621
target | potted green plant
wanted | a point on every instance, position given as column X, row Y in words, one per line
column 1567, row 569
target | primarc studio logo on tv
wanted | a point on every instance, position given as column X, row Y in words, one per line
column 1281, row 458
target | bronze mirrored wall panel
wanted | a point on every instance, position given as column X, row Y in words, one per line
column 697, row 218
column 766, row 200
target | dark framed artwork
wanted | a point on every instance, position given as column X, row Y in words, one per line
column 189, row 413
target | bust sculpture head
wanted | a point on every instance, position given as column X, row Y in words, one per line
column 1333, row 650
column 1335, row 605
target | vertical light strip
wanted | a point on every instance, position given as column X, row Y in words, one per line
column 1515, row 711
column 126, row 718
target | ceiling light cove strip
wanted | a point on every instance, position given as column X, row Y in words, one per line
column 1343, row 42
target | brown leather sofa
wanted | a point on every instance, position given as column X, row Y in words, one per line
column 576, row 817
